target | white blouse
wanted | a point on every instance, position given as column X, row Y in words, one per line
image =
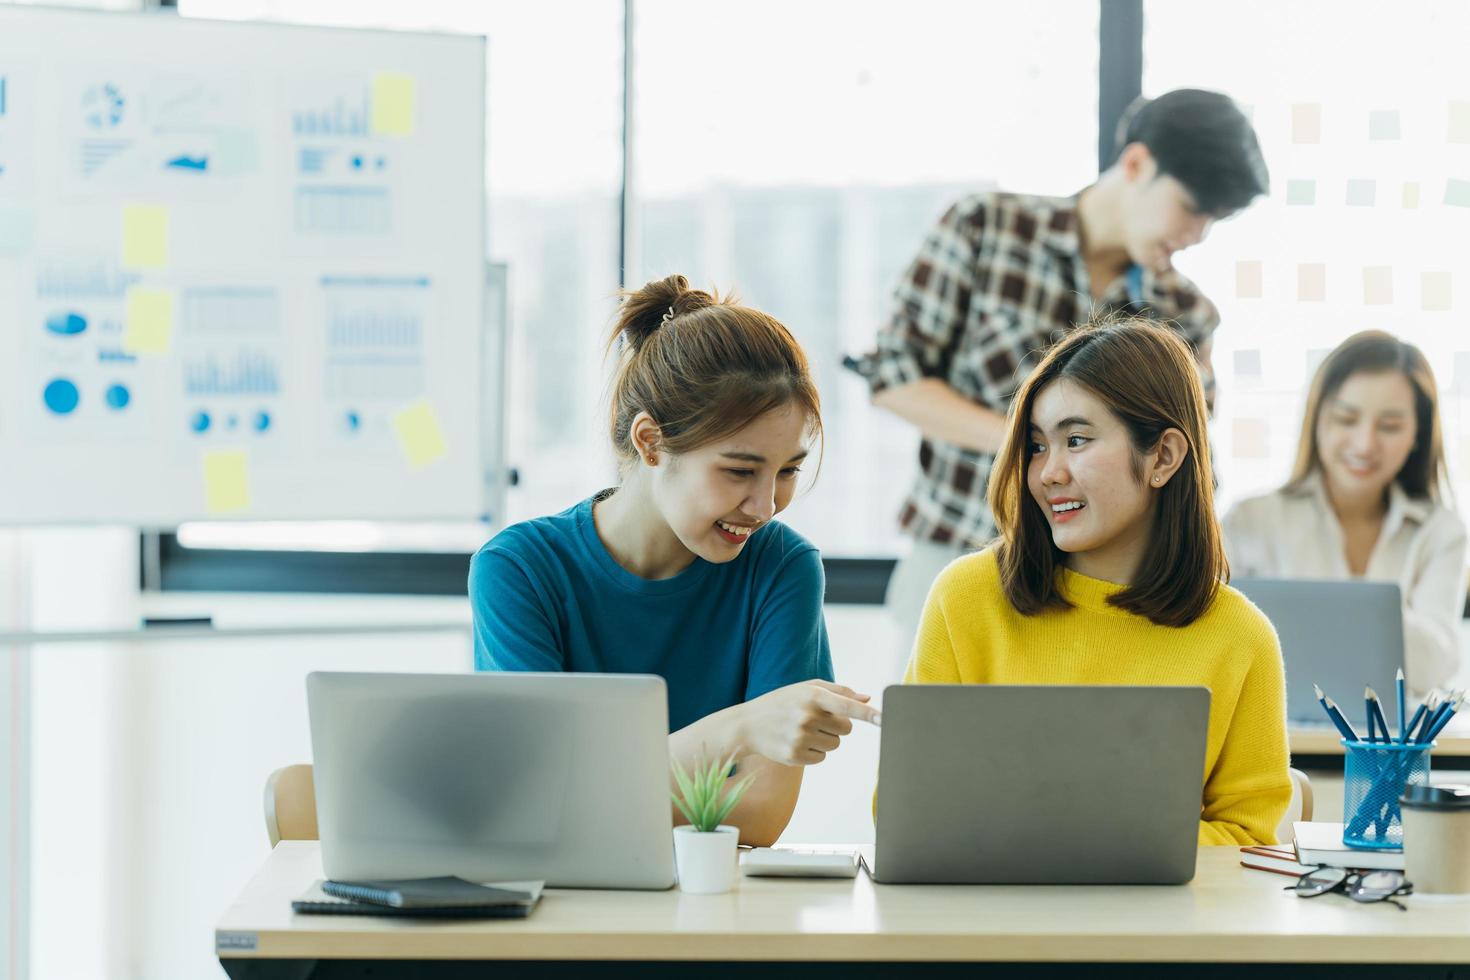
column 1421, row 548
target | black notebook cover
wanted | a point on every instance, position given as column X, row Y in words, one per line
column 425, row 893
column 503, row 903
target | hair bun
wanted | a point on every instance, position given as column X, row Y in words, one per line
column 646, row 310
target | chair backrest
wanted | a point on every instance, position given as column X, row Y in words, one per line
column 290, row 804
column 1300, row 807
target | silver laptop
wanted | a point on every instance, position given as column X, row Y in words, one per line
column 987, row 784
column 493, row 777
column 1341, row 635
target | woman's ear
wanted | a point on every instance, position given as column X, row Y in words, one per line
column 1170, row 454
column 646, row 438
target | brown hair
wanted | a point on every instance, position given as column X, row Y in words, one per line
column 1373, row 351
column 1147, row 377
column 702, row 366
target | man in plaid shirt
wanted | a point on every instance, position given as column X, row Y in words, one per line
column 1002, row 276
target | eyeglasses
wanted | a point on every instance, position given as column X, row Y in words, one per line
column 1368, row 886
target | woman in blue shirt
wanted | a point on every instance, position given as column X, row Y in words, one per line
column 681, row 570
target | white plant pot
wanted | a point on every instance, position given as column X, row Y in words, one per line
column 706, row 861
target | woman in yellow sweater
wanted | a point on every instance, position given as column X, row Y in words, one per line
column 1109, row 567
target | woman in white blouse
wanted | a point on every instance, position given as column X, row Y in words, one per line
column 1368, row 498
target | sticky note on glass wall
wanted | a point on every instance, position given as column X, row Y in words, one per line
column 1459, row 127
column 1249, row 438
column 1434, row 292
column 1411, row 194
column 1306, row 123
column 145, row 236
column 419, row 435
column 1249, row 279
column 1383, row 124
column 17, row 229
column 1248, row 363
column 150, row 321
column 1457, row 193
column 226, row 482
column 393, row 104
column 1460, row 380
column 1301, row 192
column 1377, row 285
column 1311, row 282
column 1362, row 193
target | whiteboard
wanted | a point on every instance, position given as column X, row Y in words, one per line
column 242, row 272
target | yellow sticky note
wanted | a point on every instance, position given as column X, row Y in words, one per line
column 1377, row 285
column 226, row 482
column 1306, row 123
column 1435, row 292
column 1249, row 279
column 145, row 236
column 393, row 98
column 150, row 321
column 419, row 435
column 1311, row 282
column 1411, row 194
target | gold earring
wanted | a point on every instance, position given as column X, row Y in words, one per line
column 1156, row 481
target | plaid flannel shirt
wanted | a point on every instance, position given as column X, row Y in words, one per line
column 1000, row 278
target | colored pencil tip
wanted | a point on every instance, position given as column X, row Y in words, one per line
column 1320, row 695
column 1400, row 675
column 1369, row 693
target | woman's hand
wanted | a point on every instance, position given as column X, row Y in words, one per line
column 799, row 724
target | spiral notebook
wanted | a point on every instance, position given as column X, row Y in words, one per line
column 422, row 897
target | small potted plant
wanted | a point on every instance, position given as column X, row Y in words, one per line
column 705, row 849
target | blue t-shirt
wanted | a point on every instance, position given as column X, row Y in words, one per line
column 547, row 596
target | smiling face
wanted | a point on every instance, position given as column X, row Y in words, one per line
column 1090, row 482
column 716, row 496
column 1365, row 433
column 1160, row 217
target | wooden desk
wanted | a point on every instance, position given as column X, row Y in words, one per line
column 1228, row 915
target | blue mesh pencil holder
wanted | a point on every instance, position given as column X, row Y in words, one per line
column 1374, row 777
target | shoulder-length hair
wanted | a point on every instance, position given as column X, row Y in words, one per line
column 1146, row 375
column 1372, row 351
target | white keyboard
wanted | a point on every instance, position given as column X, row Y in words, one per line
column 775, row 862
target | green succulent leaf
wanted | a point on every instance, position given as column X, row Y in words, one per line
column 706, row 795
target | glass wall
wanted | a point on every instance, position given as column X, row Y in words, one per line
column 1364, row 116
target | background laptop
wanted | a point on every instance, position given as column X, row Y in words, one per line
column 1341, row 635
column 493, row 777
column 1039, row 785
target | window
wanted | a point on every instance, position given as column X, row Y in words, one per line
column 1365, row 123
column 799, row 152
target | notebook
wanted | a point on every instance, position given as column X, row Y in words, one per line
column 1321, row 843
column 1278, row 859
column 425, row 897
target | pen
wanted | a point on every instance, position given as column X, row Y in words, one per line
column 1398, row 684
column 1445, row 714
column 1343, row 725
column 1335, row 716
column 1414, row 721
column 1435, row 702
column 1375, row 715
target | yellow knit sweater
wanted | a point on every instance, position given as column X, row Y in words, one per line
column 971, row 634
